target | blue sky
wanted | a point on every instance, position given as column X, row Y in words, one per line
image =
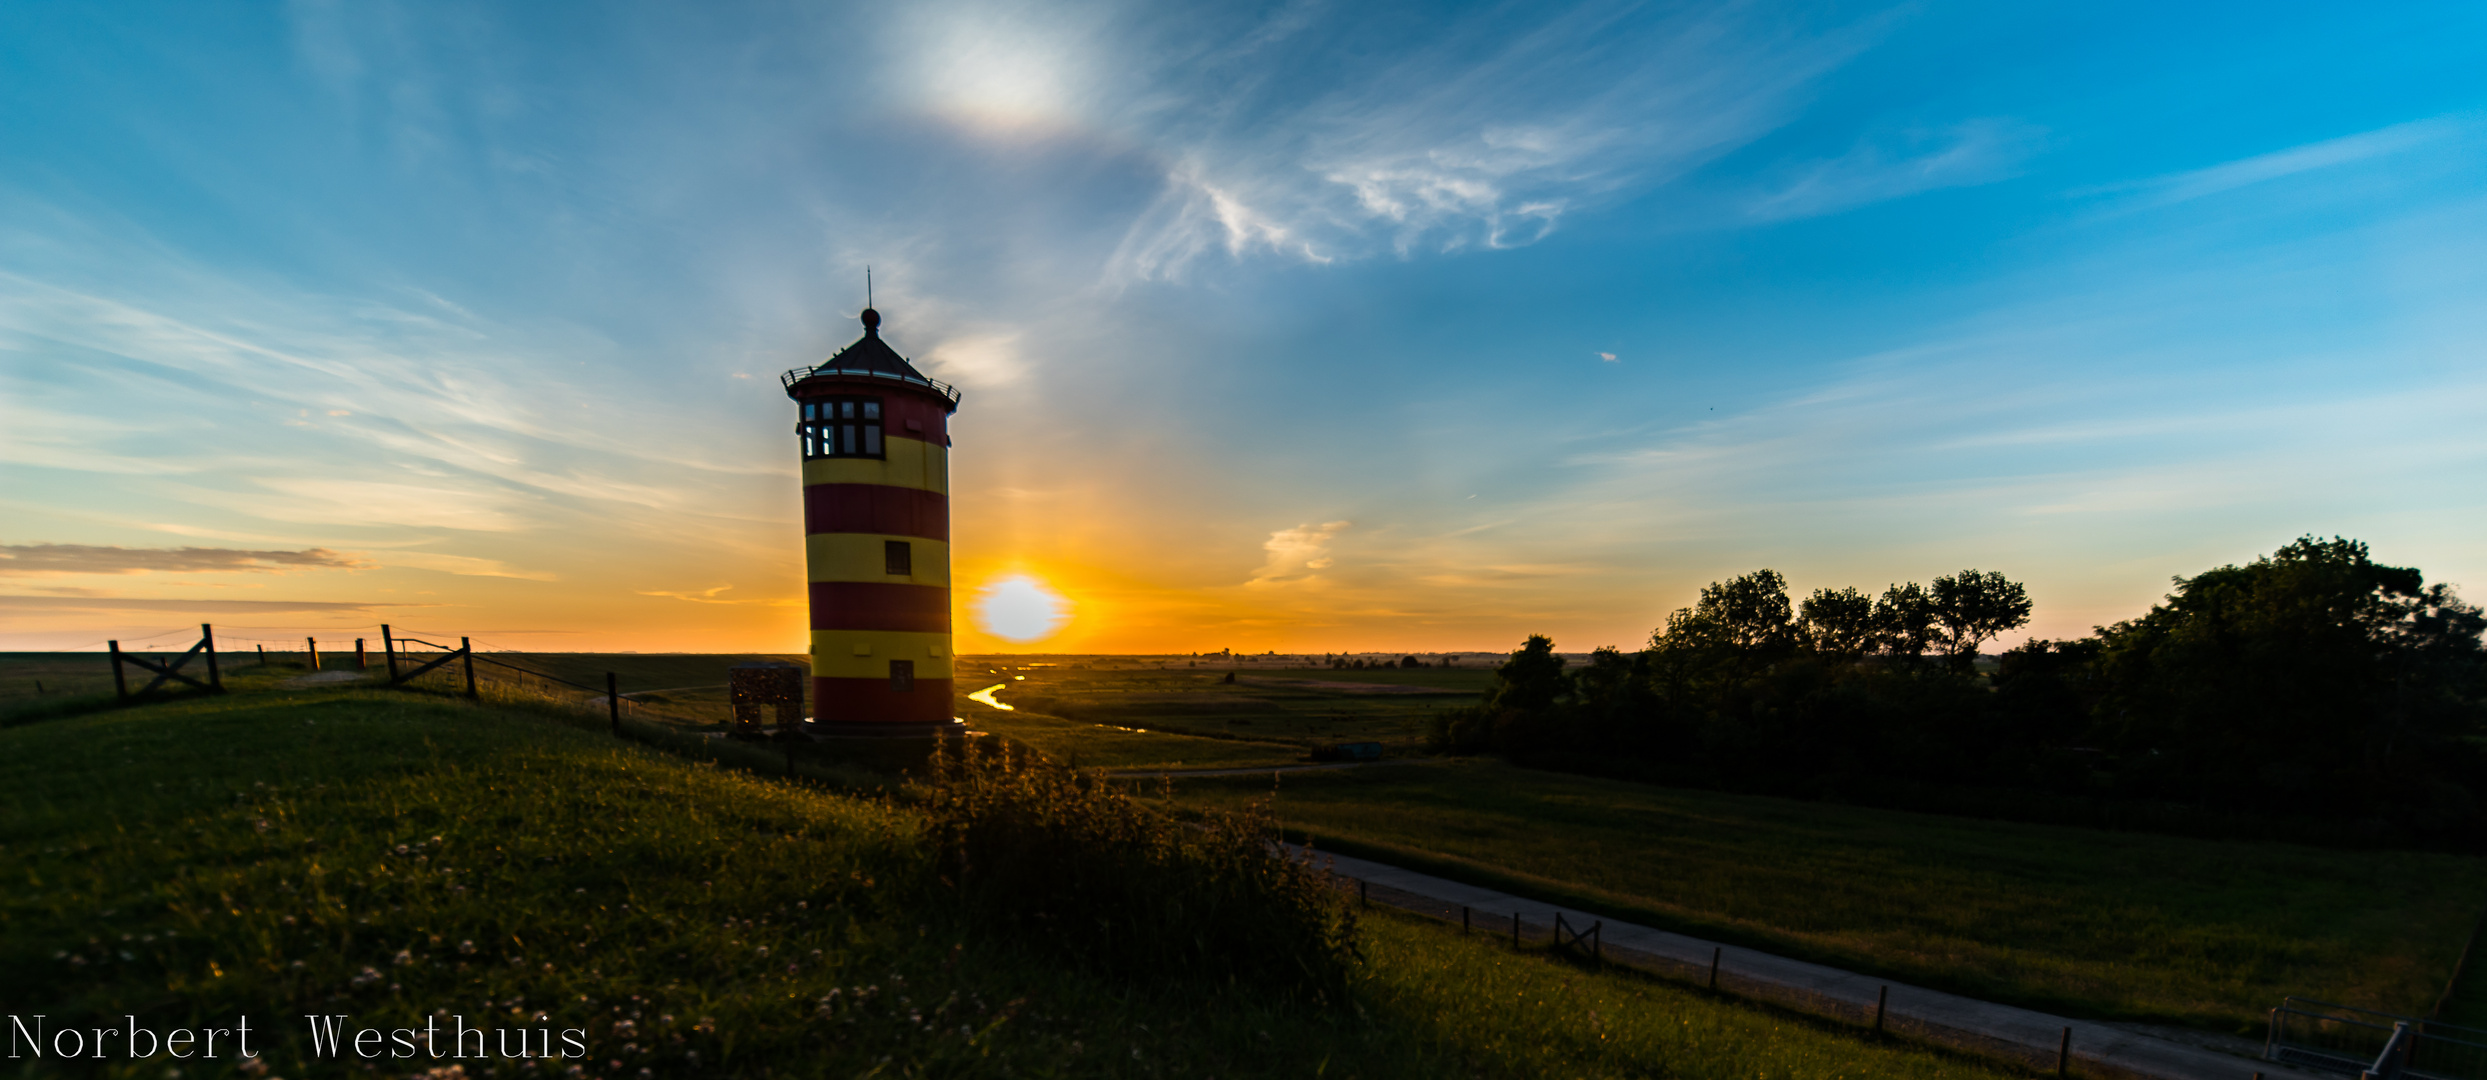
column 1297, row 326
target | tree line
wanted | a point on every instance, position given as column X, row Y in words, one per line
column 2312, row 687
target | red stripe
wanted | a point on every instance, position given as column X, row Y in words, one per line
column 873, row 605
column 876, row 508
column 871, row 701
column 931, row 414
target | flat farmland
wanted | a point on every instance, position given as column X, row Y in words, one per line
column 2121, row 925
column 1267, row 703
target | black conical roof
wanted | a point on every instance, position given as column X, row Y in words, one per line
column 870, row 353
column 871, row 357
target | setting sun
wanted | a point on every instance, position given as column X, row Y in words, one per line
column 1021, row 608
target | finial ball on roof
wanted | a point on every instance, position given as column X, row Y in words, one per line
column 872, row 319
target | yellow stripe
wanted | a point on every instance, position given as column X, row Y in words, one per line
column 911, row 463
column 865, row 557
column 834, row 653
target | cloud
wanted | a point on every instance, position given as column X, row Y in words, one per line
column 1485, row 133
column 1607, row 356
column 229, row 607
column 19, row 559
column 463, row 565
column 977, row 360
column 1900, row 164
column 1295, row 554
column 2329, row 153
column 704, row 596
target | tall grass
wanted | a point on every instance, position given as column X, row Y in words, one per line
column 1058, row 857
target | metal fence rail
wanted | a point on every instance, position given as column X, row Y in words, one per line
column 2349, row 1041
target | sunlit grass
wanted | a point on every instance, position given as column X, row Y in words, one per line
column 276, row 853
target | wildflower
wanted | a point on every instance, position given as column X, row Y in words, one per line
column 404, row 956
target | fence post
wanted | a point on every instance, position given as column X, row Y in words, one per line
column 1515, row 929
column 120, row 682
column 215, row 678
column 1881, row 1000
column 2063, row 1053
column 467, row 650
column 389, row 645
column 312, row 645
column 1715, row 951
column 613, row 700
column 360, row 663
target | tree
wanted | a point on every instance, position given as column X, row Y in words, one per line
column 1972, row 608
column 1751, row 613
column 2312, row 673
column 1531, row 680
column 1904, row 620
column 1839, row 623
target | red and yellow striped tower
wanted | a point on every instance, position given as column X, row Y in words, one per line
column 876, row 523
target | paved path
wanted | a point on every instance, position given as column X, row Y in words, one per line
column 2021, row 1035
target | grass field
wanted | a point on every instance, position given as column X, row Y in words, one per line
column 1269, row 704
column 2126, row 925
column 393, row 858
column 2199, row 932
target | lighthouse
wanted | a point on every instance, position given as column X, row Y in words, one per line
column 875, row 438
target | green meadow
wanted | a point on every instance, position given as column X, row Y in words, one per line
column 2138, row 926
column 2110, row 924
column 400, row 859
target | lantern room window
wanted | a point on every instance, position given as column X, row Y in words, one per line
column 841, row 427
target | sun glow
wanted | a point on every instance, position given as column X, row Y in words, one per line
column 1020, row 608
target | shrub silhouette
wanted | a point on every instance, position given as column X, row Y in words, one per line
column 1062, row 860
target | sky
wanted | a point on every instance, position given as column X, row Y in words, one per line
column 1293, row 326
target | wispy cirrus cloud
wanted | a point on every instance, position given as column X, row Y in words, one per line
column 24, row 559
column 2310, row 157
column 702, row 596
column 1902, row 163
column 18, row 603
column 1487, row 134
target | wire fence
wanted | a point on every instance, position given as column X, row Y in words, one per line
column 520, row 678
column 2322, row 1036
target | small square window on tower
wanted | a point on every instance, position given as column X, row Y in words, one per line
column 898, row 557
column 902, row 676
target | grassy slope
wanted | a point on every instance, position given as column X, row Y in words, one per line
column 2116, row 924
column 276, row 853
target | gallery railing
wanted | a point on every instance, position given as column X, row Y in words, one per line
column 935, row 385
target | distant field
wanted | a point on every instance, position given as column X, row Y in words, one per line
column 2114, row 924
column 390, row 856
column 28, row 677
column 1302, row 707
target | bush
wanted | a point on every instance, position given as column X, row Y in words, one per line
column 1061, row 860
